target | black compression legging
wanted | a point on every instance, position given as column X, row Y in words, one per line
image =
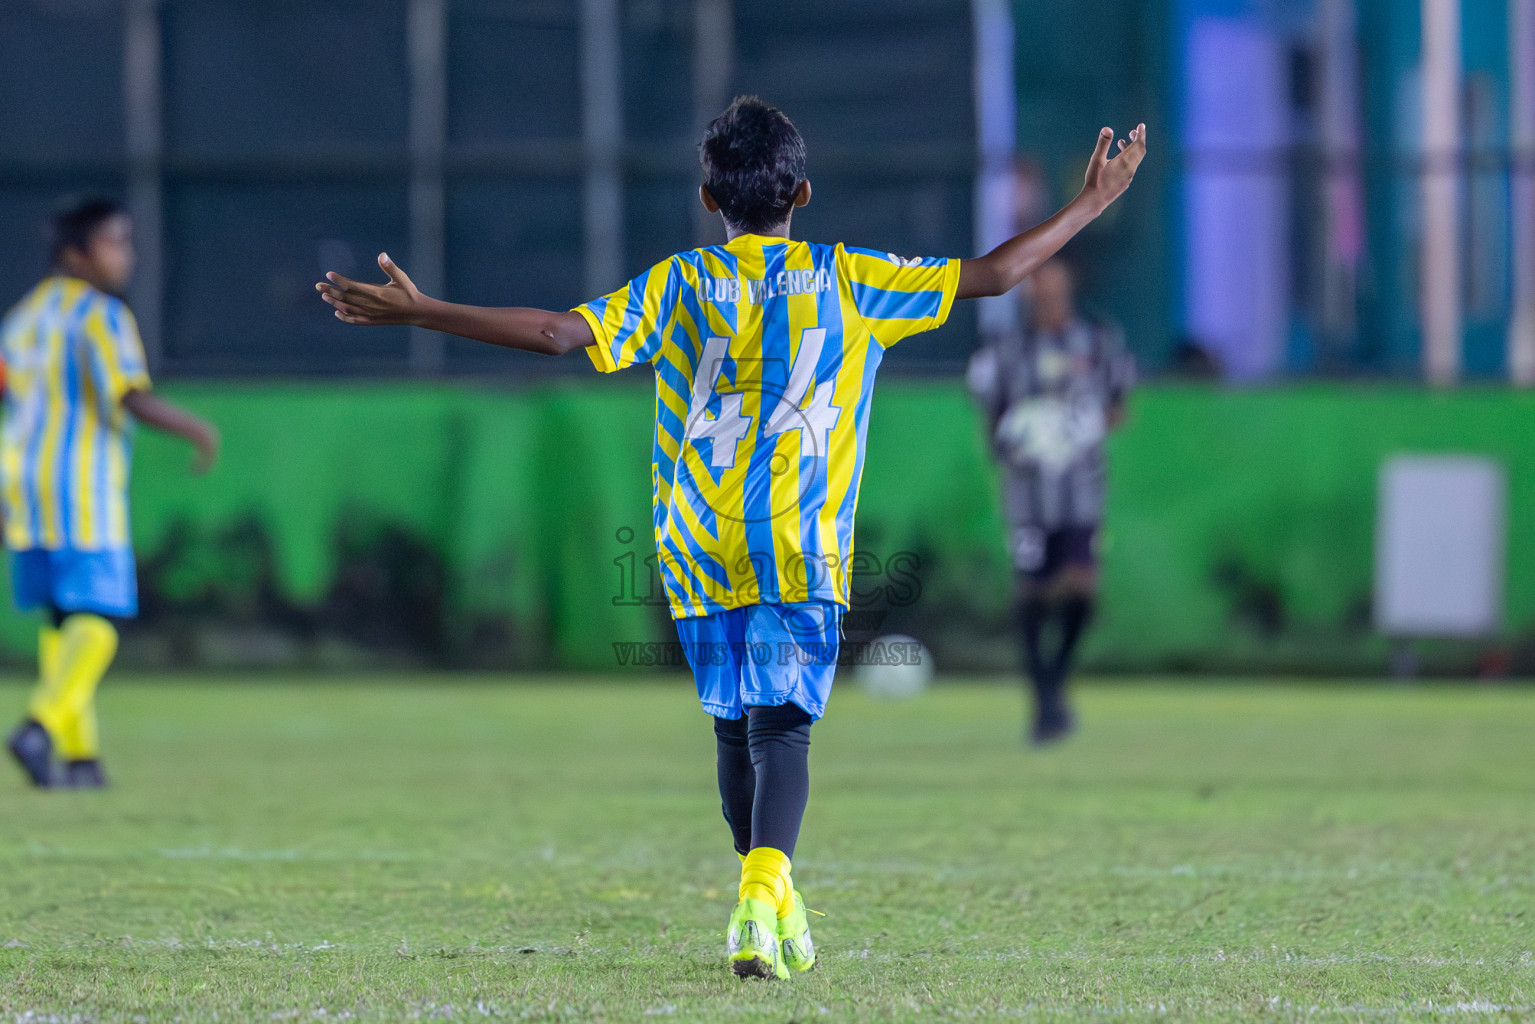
column 763, row 761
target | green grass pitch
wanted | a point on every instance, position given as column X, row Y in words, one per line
column 551, row 849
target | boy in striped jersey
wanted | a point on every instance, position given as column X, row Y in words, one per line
column 76, row 381
column 764, row 352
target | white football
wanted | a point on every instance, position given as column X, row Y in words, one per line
column 894, row 667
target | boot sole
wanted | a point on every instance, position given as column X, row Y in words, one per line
column 754, row 967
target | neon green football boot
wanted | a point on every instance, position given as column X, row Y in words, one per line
column 796, row 947
column 751, row 943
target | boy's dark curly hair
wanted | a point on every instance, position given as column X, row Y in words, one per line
column 753, row 160
column 76, row 221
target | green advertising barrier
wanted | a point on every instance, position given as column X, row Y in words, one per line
column 1242, row 525
column 453, row 525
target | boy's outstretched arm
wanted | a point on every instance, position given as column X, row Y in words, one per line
column 1002, row 269
column 400, row 302
column 150, row 409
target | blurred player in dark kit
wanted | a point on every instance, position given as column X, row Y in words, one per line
column 1051, row 391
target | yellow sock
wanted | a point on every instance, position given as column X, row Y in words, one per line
column 87, row 645
column 44, row 706
column 786, row 901
column 765, row 876
column 785, row 905
column 81, row 739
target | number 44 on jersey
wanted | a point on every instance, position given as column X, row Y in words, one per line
column 813, row 421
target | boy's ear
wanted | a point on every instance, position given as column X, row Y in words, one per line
column 802, row 194
column 708, row 200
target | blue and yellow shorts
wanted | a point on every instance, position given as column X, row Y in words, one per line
column 764, row 655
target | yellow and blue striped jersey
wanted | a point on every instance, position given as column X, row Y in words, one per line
column 764, row 352
column 71, row 354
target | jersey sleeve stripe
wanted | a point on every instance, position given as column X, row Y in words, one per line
column 950, row 291
column 630, row 327
column 123, row 336
column 597, row 352
column 881, row 304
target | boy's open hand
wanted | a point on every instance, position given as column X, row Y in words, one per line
column 397, row 302
column 1107, row 179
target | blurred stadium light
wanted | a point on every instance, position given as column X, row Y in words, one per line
column 1521, row 326
column 1236, row 285
column 1442, row 181
column 1380, row 143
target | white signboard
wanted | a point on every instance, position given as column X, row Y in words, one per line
column 1439, row 546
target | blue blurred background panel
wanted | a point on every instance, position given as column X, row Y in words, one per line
column 658, row 65
column 659, row 213
column 862, row 74
column 61, row 92
column 271, row 82
column 243, row 267
column 513, row 73
column 512, row 241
